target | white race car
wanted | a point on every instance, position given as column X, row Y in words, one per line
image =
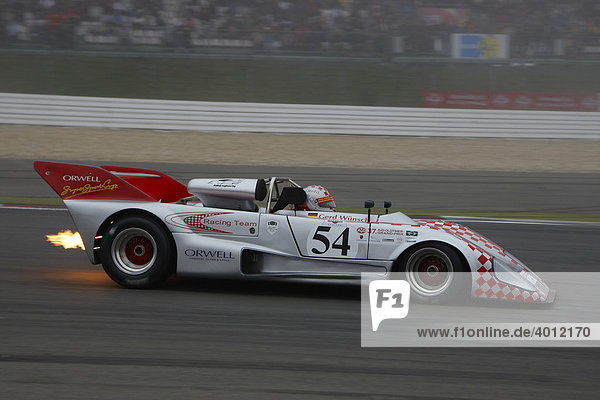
column 143, row 226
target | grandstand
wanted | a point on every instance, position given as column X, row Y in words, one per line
column 357, row 28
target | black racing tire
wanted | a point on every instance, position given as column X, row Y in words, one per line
column 137, row 252
column 436, row 274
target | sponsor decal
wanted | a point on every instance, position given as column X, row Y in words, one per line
column 510, row 100
column 225, row 183
column 244, row 223
column 69, row 192
column 524, row 100
column 479, row 45
column 380, row 231
column 198, row 221
column 209, row 255
column 203, row 222
column 215, row 222
column 490, row 46
column 332, row 217
column 393, row 235
column 537, row 283
column 387, row 231
column 272, row 226
column 78, row 178
column 412, row 233
column 588, row 102
column 335, row 217
column 433, row 98
column 501, row 100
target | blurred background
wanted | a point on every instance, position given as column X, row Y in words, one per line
column 65, row 329
column 353, row 52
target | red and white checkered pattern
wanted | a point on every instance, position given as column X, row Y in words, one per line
column 469, row 236
column 485, row 284
column 196, row 222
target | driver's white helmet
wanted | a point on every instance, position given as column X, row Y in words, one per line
column 318, row 199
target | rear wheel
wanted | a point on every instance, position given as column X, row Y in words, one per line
column 136, row 252
column 436, row 273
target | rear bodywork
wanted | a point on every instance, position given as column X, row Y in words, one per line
column 219, row 231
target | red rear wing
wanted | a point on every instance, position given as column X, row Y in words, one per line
column 156, row 184
column 73, row 181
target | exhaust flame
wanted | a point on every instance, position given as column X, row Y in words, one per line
column 66, row 239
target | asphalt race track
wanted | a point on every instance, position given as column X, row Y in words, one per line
column 67, row 331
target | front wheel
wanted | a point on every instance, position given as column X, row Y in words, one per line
column 436, row 273
column 136, row 252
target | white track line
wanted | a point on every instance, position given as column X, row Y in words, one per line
column 34, row 208
column 452, row 218
column 515, row 221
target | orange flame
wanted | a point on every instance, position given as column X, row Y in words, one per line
column 66, row 239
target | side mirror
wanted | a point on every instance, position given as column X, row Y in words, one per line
column 369, row 204
column 387, row 204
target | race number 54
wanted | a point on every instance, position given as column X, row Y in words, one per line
column 334, row 243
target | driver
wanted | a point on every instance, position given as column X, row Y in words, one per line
column 317, row 199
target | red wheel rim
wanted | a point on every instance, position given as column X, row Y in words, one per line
column 429, row 271
column 432, row 271
column 139, row 250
